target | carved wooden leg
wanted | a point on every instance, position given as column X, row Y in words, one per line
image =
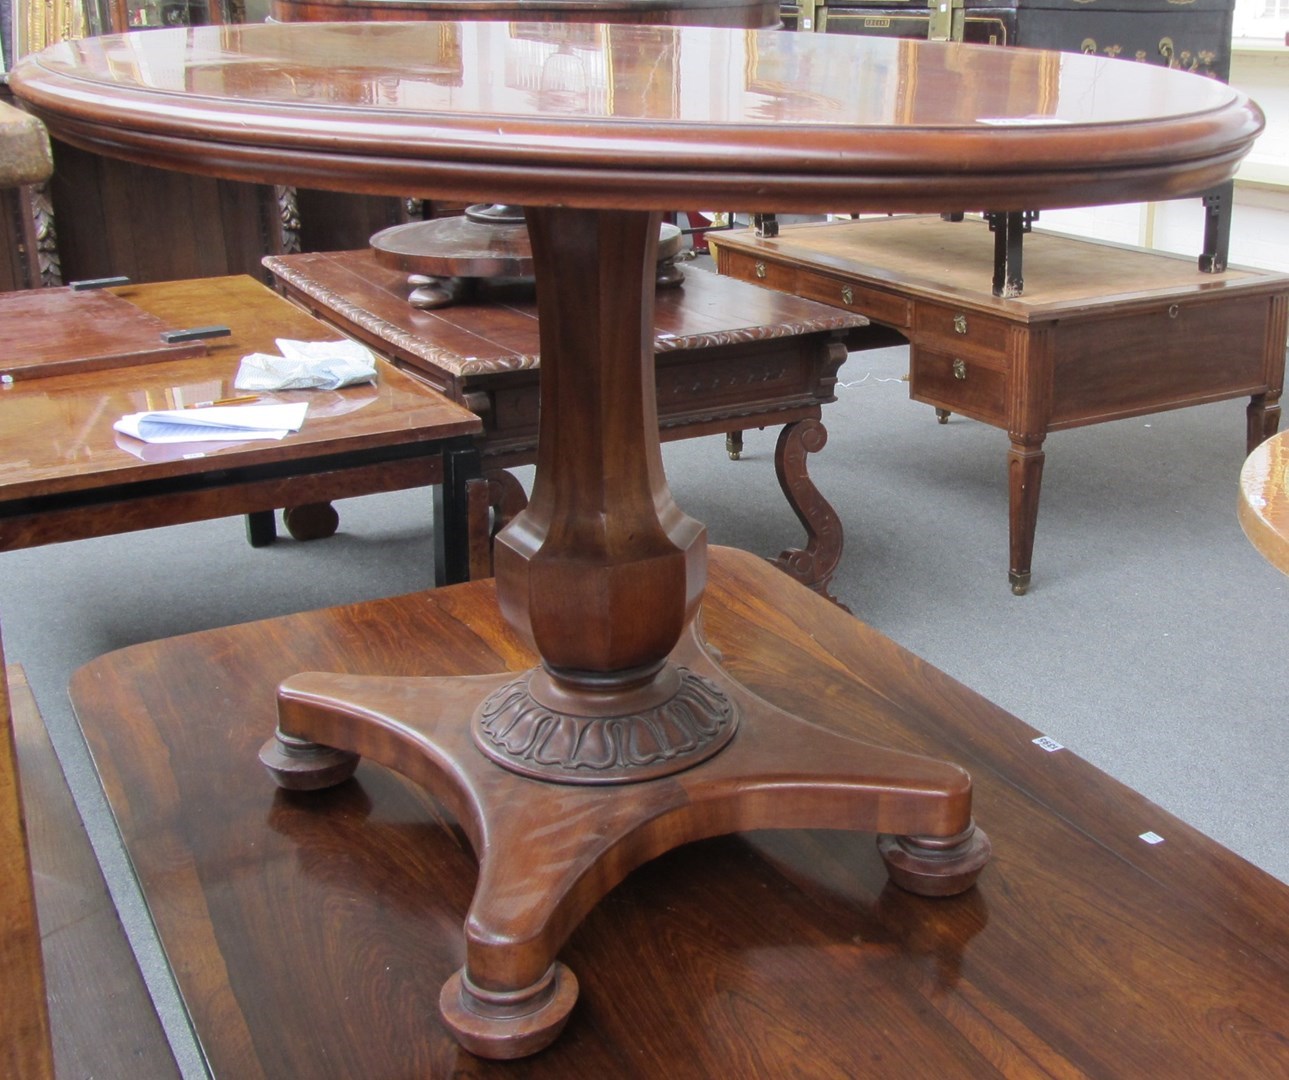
column 814, row 564
column 1263, row 420
column 493, row 502
column 1024, row 478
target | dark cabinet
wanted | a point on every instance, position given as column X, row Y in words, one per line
column 1194, row 36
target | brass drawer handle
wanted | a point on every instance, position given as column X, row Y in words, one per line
column 760, row 270
column 960, row 323
column 847, row 295
column 959, row 369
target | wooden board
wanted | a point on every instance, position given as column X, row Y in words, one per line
column 102, row 1019
column 46, row 332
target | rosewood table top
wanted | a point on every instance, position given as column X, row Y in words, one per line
column 309, row 934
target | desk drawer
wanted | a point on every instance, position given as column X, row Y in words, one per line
column 835, row 290
column 957, row 330
column 959, row 384
column 882, row 307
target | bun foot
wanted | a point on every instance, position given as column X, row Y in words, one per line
column 300, row 765
column 508, row 1024
column 931, row 866
column 313, row 521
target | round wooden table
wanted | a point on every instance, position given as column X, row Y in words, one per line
column 629, row 739
column 1264, row 500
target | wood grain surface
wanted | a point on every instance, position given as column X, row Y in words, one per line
column 102, row 1020
column 808, row 122
column 311, row 933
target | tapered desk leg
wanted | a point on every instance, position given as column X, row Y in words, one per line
column 629, row 739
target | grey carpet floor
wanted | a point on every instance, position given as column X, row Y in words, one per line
column 1153, row 641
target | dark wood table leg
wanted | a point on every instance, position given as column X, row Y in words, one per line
column 1024, row 481
column 629, row 739
column 261, row 528
column 1263, row 420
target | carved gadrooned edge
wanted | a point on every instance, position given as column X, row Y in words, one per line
column 387, row 331
column 463, row 366
column 769, row 332
column 526, row 737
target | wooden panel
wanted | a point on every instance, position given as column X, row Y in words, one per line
column 19, row 266
column 103, row 1021
column 1162, row 357
column 115, row 218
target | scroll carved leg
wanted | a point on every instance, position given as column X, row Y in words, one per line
column 1024, row 479
column 814, row 564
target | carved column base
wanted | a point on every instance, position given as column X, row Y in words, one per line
column 548, row 852
column 672, row 720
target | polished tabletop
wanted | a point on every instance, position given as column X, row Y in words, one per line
column 643, row 117
column 1264, row 500
column 57, row 435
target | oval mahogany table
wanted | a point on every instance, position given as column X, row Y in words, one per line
column 629, row 739
column 1264, row 500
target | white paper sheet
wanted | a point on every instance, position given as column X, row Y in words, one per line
column 219, row 423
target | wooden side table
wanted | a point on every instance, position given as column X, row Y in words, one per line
column 1100, row 332
column 65, row 474
column 728, row 356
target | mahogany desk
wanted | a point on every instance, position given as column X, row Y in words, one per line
column 728, row 357
column 66, row 475
column 630, row 738
column 1099, row 333
column 310, row 933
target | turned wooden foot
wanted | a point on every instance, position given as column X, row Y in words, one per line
column 301, row 765
column 313, row 521
column 429, row 292
column 932, row 866
column 508, row 1024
